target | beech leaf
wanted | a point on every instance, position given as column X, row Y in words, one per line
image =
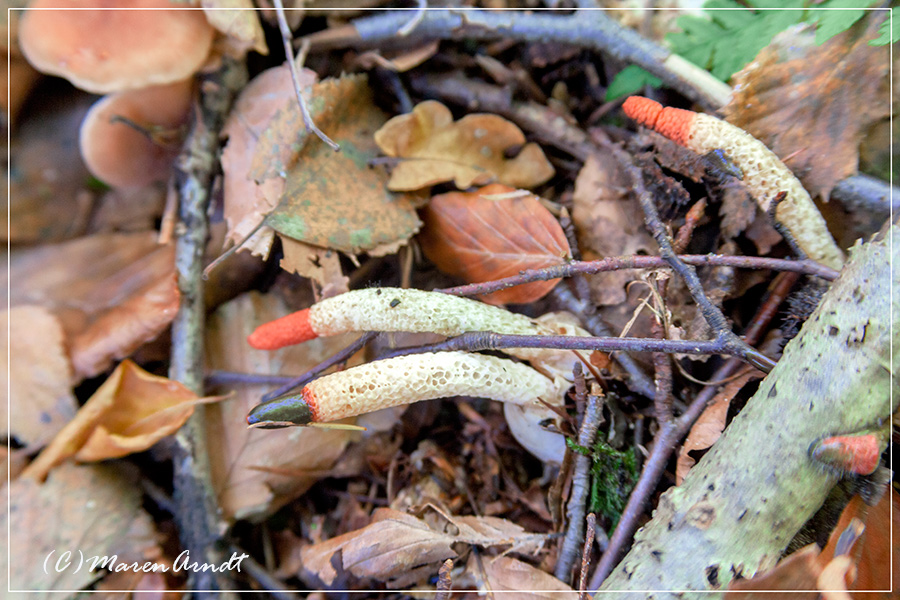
column 130, row 412
column 334, row 200
column 41, row 400
column 812, row 105
column 516, row 580
column 479, row 238
column 472, row 151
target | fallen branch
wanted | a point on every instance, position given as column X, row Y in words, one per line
column 591, row 29
column 746, row 499
column 197, row 512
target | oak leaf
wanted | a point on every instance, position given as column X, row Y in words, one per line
column 433, row 149
column 492, row 233
column 812, row 105
column 129, row 412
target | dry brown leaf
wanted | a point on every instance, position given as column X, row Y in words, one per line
column 798, row 571
column 256, row 471
column 608, row 223
column 402, row 549
column 121, row 295
column 238, row 20
column 318, row 264
column 92, row 509
column 40, row 399
column 472, row 151
column 812, row 105
column 479, row 238
column 247, row 202
column 388, row 549
column 709, row 426
column 334, row 200
column 130, row 412
column 516, row 580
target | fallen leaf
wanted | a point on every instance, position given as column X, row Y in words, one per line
column 246, row 202
column 318, row 264
column 811, row 104
column 608, row 222
column 799, row 571
column 129, row 412
column 479, row 238
column 401, row 549
column 472, row 151
column 709, row 426
column 256, row 471
column 515, row 580
column 91, row 509
column 238, row 20
column 40, row 400
column 122, row 295
column 395, row 547
column 334, row 200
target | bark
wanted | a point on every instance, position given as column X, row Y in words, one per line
column 740, row 506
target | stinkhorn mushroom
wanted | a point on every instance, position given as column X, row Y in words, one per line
column 765, row 176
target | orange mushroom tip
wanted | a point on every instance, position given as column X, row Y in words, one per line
column 294, row 328
column 674, row 123
column 848, row 454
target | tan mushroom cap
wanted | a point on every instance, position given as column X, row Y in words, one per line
column 113, row 50
column 120, row 155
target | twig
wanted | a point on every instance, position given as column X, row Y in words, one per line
column 670, row 434
column 445, row 580
column 615, row 263
column 867, row 194
column 586, row 28
column 337, row 359
column 710, row 311
column 286, row 37
column 272, row 586
column 488, row 340
column 638, row 381
column 581, row 485
column 197, row 514
column 586, row 555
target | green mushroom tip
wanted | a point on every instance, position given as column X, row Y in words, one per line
column 283, row 411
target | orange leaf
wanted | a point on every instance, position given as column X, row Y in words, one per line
column 130, row 412
column 471, row 151
column 709, row 426
column 479, row 238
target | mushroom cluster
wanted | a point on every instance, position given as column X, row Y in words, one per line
column 143, row 54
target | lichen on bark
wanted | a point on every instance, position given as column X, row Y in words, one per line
column 740, row 506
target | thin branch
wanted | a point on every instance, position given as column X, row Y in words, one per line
column 487, row 340
column 197, row 512
column 615, row 263
column 591, row 29
column 581, row 484
column 286, row 37
column 337, row 359
column 688, row 274
column 586, row 555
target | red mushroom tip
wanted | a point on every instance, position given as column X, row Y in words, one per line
column 294, row 328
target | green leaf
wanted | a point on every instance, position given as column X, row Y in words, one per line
column 731, row 38
column 885, row 36
column 833, row 22
column 630, row 80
